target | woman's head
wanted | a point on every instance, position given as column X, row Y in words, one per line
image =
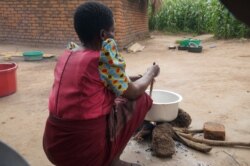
column 93, row 23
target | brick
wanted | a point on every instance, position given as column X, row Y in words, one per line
column 214, row 131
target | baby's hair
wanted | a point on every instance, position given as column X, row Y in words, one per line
column 90, row 18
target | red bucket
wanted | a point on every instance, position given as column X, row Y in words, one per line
column 8, row 83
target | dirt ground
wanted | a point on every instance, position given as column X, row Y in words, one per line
column 215, row 86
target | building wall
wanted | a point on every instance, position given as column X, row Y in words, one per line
column 131, row 21
column 50, row 22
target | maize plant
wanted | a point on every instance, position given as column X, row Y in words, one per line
column 197, row 16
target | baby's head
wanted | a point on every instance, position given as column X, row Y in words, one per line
column 93, row 23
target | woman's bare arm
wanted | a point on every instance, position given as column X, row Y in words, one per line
column 137, row 88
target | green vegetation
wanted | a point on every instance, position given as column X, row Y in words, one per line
column 197, row 16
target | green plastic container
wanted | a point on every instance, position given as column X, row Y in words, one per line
column 186, row 42
column 33, row 55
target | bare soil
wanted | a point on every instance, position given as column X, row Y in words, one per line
column 215, row 86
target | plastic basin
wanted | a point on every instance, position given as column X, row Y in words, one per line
column 165, row 106
column 33, row 55
column 8, row 83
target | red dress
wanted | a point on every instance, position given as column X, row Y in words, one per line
column 77, row 129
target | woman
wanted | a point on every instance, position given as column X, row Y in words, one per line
column 94, row 106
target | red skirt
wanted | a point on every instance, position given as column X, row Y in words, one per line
column 87, row 142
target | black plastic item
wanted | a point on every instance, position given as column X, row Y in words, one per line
column 182, row 48
column 195, row 49
column 9, row 157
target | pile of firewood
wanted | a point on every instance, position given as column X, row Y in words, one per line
column 163, row 135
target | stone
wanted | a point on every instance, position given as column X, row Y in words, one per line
column 183, row 119
column 163, row 145
column 214, row 131
column 164, row 128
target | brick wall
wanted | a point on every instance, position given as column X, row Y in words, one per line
column 131, row 21
column 50, row 22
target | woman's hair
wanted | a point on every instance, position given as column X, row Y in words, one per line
column 90, row 18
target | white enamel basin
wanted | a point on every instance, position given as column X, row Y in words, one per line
column 165, row 106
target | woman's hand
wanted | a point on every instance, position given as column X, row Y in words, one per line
column 137, row 88
column 135, row 78
column 154, row 70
